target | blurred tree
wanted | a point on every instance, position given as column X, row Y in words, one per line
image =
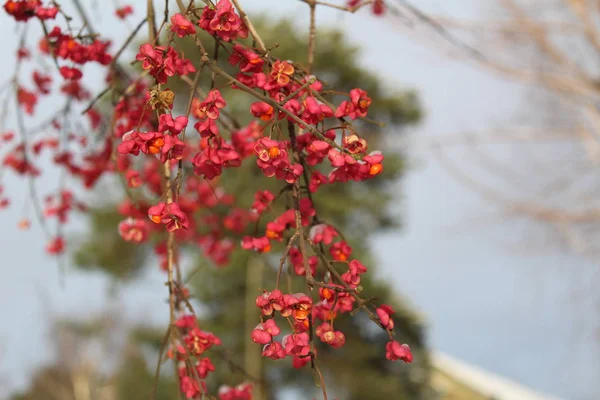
column 78, row 374
column 543, row 169
column 226, row 295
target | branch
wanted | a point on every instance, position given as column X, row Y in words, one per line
column 244, row 16
column 539, row 212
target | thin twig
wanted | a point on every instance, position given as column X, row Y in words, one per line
column 159, row 362
column 244, row 16
column 284, row 256
column 150, row 18
column 128, row 41
column 296, row 199
column 312, row 35
column 32, row 190
column 338, row 7
column 322, row 382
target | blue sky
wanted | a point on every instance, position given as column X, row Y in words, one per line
column 522, row 313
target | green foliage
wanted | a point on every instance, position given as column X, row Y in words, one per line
column 75, row 377
column 105, row 250
column 135, row 380
column 56, row 376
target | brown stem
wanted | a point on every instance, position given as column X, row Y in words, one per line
column 322, row 382
column 170, row 246
column 300, row 232
column 334, row 288
column 244, row 16
column 127, row 41
column 151, row 21
column 216, row 59
column 159, row 362
column 338, row 7
column 252, row 354
column 296, row 198
column 284, row 256
column 309, row 82
column 193, row 88
column 312, row 35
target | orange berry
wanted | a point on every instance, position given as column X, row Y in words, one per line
column 158, row 142
column 274, row 152
column 24, row 224
column 155, row 145
column 375, row 169
column 341, row 256
column 203, row 143
column 155, row 218
column 302, row 313
column 267, row 115
column 271, row 234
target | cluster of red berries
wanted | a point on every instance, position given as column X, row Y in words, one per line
column 147, row 147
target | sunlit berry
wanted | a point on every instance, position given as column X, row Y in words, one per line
column 375, row 169
column 274, row 152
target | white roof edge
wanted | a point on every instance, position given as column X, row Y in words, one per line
column 484, row 382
